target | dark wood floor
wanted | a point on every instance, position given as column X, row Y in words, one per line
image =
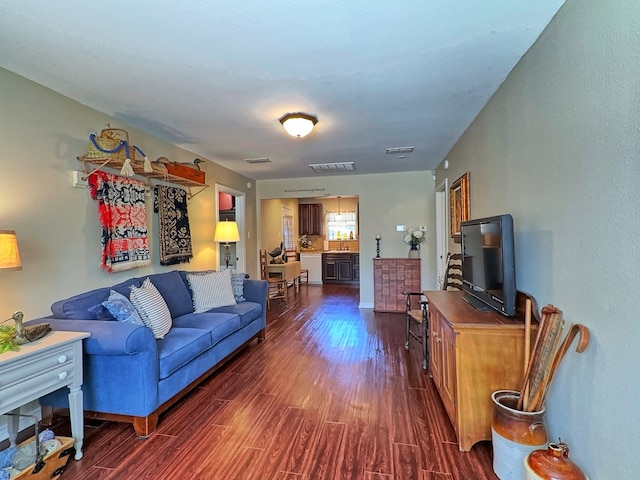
column 330, row 394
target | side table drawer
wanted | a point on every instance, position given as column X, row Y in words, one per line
column 33, row 376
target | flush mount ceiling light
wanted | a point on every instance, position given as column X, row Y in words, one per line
column 298, row 124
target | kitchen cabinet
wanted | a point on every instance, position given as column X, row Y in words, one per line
column 310, row 218
column 472, row 354
column 355, row 257
column 339, row 268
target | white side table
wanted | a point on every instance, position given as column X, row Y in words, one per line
column 42, row 367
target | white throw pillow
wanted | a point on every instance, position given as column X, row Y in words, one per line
column 211, row 290
column 152, row 308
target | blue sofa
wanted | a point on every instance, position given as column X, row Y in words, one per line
column 130, row 376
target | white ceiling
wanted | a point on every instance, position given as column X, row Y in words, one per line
column 214, row 76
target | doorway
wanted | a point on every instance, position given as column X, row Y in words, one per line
column 230, row 206
column 442, row 230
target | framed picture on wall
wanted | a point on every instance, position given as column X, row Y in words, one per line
column 458, row 205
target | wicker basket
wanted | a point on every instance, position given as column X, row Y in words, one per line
column 109, row 144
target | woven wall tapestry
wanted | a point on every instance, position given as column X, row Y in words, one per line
column 170, row 204
column 123, row 216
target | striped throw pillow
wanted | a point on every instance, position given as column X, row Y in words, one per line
column 152, row 308
column 211, row 290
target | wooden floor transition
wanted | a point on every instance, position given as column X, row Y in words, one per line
column 330, row 394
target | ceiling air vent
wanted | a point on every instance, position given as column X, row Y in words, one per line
column 257, row 160
column 395, row 150
column 332, row 167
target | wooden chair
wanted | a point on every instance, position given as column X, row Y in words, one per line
column 417, row 307
column 277, row 285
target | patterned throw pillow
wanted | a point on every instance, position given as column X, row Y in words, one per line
column 237, row 283
column 121, row 308
column 211, row 290
column 101, row 313
column 152, row 308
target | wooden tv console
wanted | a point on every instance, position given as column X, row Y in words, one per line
column 473, row 354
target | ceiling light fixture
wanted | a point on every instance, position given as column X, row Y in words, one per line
column 298, row 124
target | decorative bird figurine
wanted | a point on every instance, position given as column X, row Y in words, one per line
column 26, row 334
column 195, row 164
column 276, row 252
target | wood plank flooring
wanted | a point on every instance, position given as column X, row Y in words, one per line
column 330, row 394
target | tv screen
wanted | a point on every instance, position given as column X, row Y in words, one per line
column 488, row 263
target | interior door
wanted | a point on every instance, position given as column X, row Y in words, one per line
column 231, row 206
column 442, row 230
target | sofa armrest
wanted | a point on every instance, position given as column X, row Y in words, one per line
column 256, row 291
column 107, row 337
column 120, row 367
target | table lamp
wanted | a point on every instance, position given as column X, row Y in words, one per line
column 9, row 253
column 226, row 232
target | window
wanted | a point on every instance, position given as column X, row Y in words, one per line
column 287, row 229
column 341, row 226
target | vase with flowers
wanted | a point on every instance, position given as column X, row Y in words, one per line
column 304, row 242
column 414, row 238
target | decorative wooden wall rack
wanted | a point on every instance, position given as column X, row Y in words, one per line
column 159, row 172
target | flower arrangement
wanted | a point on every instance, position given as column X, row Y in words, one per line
column 304, row 243
column 414, row 238
column 8, row 338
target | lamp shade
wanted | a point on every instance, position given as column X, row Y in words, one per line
column 226, row 232
column 298, row 124
column 9, row 253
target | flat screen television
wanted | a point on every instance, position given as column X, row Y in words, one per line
column 488, row 264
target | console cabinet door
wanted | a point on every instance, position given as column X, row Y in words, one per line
column 435, row 346
column 449, row 375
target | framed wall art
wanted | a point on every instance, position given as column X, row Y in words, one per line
column 458, row 205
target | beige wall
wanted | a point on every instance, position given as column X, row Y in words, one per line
column 385, row 201
column 271, row 221
column 558, row 148
column 41, row 134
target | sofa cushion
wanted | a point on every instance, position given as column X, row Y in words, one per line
column 152, row 308
column 179, row 347
column 211, row 290
column 247, row 311
column 174, row 291
column 219, row 325
column 77, row 307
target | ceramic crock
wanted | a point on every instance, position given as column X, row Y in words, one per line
column 514, row 434
column 552, row 464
